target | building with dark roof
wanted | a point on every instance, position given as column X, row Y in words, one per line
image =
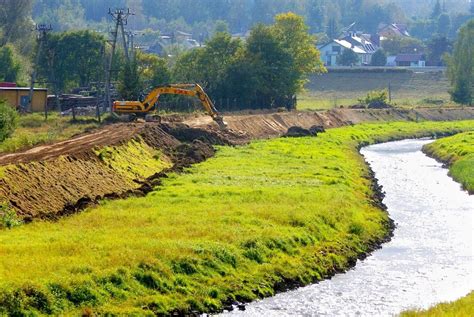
column 410, row 60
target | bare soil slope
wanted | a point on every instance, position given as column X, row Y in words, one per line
column 62, row 178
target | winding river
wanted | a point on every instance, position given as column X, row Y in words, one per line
column 429, row 260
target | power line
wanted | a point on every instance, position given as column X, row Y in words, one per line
column 42, row 31
column 120, row 16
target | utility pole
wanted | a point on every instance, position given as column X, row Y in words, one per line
column 42, row 31
column 120, row 16
column 131, row 40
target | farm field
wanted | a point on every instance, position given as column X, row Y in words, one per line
column 252, row 220
column 458, row 153
column 344, row 87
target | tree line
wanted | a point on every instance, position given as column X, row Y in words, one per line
column 267, row 69
column 264, row 71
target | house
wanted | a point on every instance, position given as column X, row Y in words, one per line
column 392, row 30
column 19, row 97
column 357, row 42
column 410, row 60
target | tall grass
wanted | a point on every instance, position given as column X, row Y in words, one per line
column 235, row 227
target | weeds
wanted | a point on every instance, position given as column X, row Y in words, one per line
column 8, row 217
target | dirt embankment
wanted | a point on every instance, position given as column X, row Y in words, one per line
column 61, row 178
column 275, row 124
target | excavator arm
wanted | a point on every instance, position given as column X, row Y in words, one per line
column 192, row 90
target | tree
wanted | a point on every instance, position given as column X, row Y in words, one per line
column 8, row 120
column 292, row 33
column 436, row 10
column 9, row 66
column 15, row 20
column 221, row 27
column 315, row 15
column 273, row 65
column 461, row 66
column 444, row 24
column 379, row 58
column 404, row 45
column 348, row 58
column 72, row 59
column 208, row 65
column 437, row 47
column 130, row 85
column 332, row 29
column 153, row 70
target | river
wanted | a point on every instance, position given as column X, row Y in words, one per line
column 429, row 260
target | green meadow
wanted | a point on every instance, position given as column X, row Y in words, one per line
column 458, row 152
column 237, row 227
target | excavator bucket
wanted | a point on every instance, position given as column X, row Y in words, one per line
column 220, row 122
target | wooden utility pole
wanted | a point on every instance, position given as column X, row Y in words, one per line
column 42, row 31
column 120, row 16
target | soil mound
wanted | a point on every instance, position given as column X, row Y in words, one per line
column 59, row 183
column 296, row 131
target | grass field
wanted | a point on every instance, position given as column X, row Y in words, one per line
column 33, row 130
column 458, row 152
column 233, row 227
column 410, row 88
column 463, row 307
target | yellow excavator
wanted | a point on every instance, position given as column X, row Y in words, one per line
column 139, row 108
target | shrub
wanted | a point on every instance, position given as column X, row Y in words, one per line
column 379, row 58
column 8, row 217
column 375, row 98
column 8, row 121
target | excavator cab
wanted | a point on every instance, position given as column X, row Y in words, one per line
column 145, row 107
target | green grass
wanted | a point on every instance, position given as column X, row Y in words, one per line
column 463, row 307
column 232, row 227
column 34, row 130
column 458, row 152
column 311, row 101
column 308, row 102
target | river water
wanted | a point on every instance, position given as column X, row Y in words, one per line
column 429, row 260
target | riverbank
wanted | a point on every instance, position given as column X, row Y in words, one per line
column 253, row 220
column 459, row 308
column 457, row 152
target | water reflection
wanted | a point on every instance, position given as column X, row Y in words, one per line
column 430, row 258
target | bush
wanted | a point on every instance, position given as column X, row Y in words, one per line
column 379, row 58
column 375, row 98
column 8, row 121
column 8, row 217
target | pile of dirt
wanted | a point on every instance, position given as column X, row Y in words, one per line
column 296, row 131
column 51, row 184
column 209, row 134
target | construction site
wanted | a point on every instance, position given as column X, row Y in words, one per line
column 234, row 175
